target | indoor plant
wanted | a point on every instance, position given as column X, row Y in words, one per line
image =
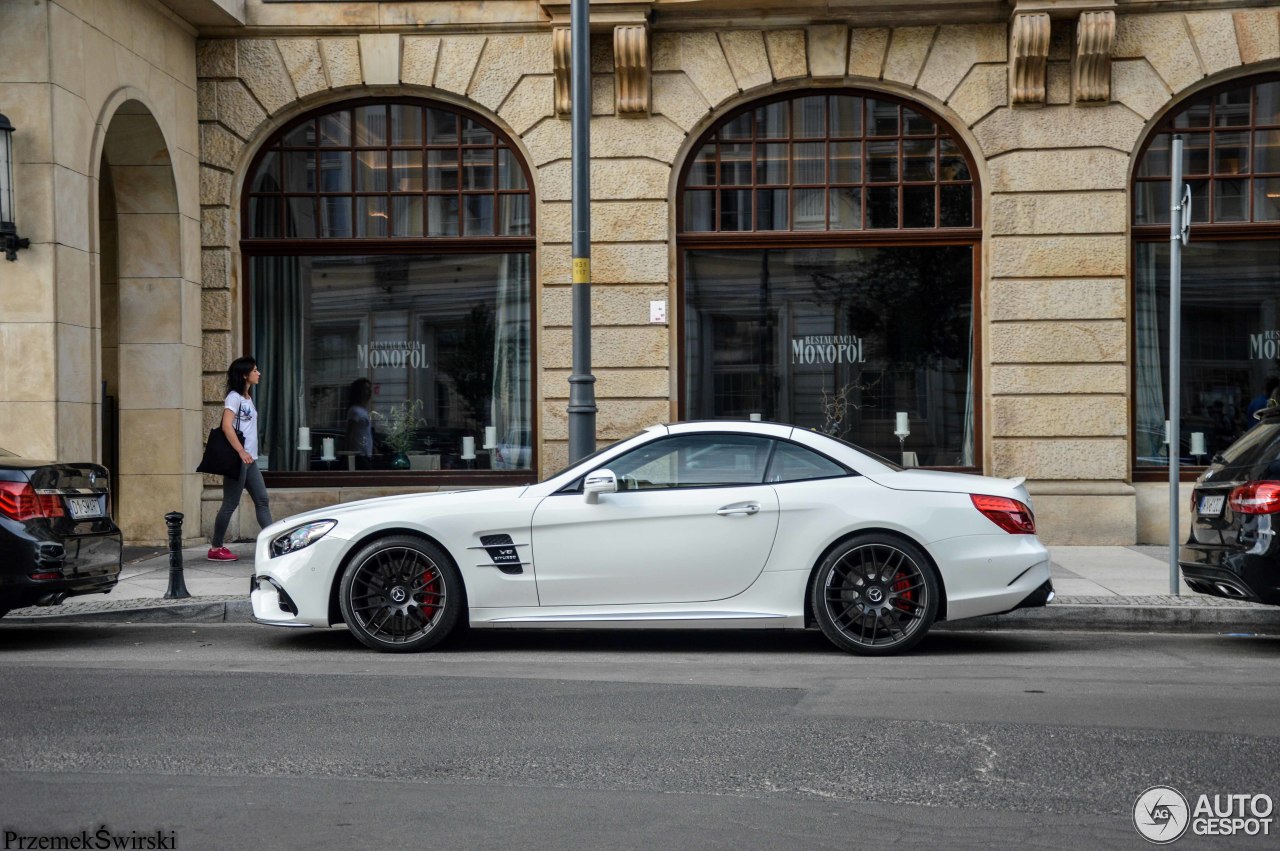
column 401, row 425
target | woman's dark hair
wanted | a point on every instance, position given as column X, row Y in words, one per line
column 360, row 392
column 238, row 375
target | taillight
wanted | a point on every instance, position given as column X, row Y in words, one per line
column 1256, row 498
column 19, row 501
column 1009, row 514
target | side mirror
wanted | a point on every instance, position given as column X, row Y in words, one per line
column 598, row 482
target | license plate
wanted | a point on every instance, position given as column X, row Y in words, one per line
column 1211, row 504
column 84, row 507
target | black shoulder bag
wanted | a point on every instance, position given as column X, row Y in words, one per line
column 220, row 457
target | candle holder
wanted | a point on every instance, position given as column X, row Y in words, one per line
column 902, row 430
column 1197, row 446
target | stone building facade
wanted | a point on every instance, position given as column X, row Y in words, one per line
column 145, row 126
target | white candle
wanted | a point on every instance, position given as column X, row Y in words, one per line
column 903, row 427
column 490, row 437
column 327, row 454
column 1197, row 443
column 304, row 438
column 468, row 448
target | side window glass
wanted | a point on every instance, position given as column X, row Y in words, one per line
column 694, row 461
column 792, row 463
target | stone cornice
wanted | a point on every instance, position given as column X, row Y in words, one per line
column 269, row 18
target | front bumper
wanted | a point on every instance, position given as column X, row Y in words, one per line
column 295, row 589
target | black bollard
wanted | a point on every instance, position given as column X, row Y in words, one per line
column 177, row 586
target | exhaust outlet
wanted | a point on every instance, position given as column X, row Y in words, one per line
column 52, row 599
column 1230, row 590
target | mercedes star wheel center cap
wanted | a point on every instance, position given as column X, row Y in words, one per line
column 398, row 594
column 875, row 595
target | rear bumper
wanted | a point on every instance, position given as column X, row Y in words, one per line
column 1231, row 574
column 45, row 572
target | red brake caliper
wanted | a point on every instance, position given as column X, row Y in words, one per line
column 428, row 607
column 900, row 585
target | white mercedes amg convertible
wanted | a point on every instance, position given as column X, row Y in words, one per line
column 702, row 524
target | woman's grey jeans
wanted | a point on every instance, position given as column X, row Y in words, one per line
column 250, row 478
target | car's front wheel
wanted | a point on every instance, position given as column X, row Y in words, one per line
column 400, row 594
column 875, row 595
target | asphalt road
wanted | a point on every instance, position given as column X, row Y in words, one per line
column 231, row 736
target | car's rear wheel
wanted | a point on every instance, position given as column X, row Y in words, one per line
column 400, row 594
column 875, row 595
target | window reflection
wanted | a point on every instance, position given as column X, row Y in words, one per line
column 781, row 332
column 446, row 334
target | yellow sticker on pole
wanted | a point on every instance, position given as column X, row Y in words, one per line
column 582, row 270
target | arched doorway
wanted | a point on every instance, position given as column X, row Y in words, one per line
column 829, row 245
column 150, row 330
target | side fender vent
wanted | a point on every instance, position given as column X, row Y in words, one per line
column 503, row 552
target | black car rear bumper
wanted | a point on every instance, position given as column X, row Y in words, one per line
column 1231, row 574
column 39, row 571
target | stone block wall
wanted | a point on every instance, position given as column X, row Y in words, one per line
column 88, row 83
column 1054, row 292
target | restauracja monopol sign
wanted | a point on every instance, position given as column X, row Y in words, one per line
column 1264, row 346
column 827, row 349
column 396, row 354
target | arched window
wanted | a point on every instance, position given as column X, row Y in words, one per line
column 1230, row 271
column 388, row 249
column 829, row 256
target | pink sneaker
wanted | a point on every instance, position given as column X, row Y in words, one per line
column 222, row 554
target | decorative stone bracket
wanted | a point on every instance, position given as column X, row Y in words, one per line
column 631, row 70
column 1029, row 38
column 1091, row 71
column 561, row 63
column 1028, row 57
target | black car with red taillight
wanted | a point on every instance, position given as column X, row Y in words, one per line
column 57, row 539
column 1233, row 550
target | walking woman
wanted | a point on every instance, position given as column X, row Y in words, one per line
column 239, row 413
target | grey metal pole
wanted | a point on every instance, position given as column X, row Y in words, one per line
column 582, row 393
column 1175, row 356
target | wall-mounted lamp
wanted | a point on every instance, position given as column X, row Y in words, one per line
column 8, row 228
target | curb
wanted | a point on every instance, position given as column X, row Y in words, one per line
column 219, row 611
column 1196, row 620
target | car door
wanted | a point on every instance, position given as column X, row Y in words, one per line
column 692, row 521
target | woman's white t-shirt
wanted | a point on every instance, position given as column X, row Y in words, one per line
column 246, row 420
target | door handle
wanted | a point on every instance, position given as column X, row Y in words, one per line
column 740, row 508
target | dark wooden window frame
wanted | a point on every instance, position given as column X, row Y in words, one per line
column 863, row 238
column 1200, row 231
column 251, row 248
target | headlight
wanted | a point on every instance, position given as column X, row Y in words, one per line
column 302, row 536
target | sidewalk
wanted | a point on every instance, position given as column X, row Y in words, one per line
column 1099, row 588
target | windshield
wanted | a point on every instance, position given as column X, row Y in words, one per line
column 588, row 458
column 1244, row 448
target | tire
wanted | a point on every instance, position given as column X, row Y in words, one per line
column 421, row 574
column 875, row 595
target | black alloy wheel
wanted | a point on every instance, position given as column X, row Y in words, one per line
column 875, row 595
column 400, row 594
